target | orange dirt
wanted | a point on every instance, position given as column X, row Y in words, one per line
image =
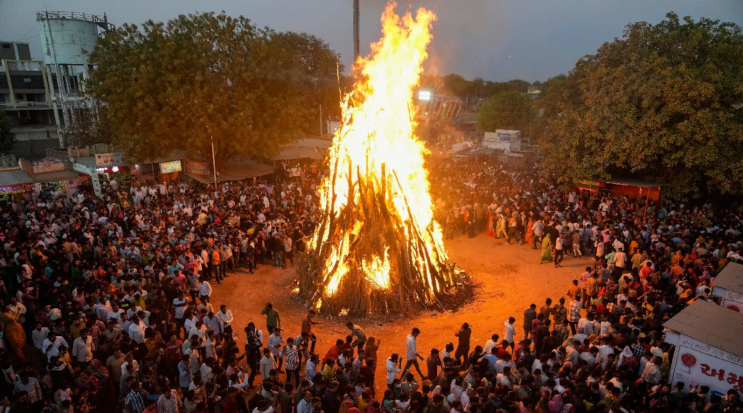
column 508, row 279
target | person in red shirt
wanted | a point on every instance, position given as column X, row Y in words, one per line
column 334, row 352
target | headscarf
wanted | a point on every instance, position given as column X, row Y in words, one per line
column 626, row 353
column 555, row 405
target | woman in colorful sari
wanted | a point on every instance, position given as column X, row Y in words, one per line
column 13, row 332
column 530, row 232
column 546, row 256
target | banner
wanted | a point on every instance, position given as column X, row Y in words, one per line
column 104, row 160
column 168, row 167
column 18, row 188
column 47, row 165
column 719, row 373
column 196, row 168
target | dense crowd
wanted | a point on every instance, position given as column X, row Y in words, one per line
column 106, row 302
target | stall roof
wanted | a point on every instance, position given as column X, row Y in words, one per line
column 307, row 148
column 240, row 169
column 730, row 278
column 712, row 324
column 14, row 177
column 54, row 176
column 632, row 182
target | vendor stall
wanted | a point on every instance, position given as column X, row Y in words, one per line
column 709, row 347
column 728, row 285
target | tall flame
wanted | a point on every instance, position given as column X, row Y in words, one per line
column 377, row 148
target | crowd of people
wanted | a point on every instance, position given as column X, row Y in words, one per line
column 106, row 302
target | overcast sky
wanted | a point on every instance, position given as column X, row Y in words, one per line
column 493, row 39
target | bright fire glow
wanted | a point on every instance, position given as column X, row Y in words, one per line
column 377, row 143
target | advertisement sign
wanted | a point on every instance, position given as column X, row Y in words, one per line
column 172, row 166
column 196, row 168
column 47, row 165
column 104, row 160
column 15, row 189
column 502, row 139
column 692, row 365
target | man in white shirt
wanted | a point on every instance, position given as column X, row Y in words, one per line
column 225, row 315
column 51, row 345
column 510, row 331
column 136, row 330
column 102, row 309
column 39, row 335
column 205, row 289
column 412, row 355
column 393, row 367
column 82, row 348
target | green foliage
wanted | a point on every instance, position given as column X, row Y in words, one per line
column 7, row 138
column 454, row 84
column 175, row 85
column 91, row 126
column 505, row 110
column 657, row 104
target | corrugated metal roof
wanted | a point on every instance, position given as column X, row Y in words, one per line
column 14, row 177
column 307, row 148
column 730, row 278
column 710, row 323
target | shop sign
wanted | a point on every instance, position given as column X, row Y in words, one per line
column 196, row 168
column 104, row 160
column 695, row 363
column 15, row 189
column 47, row 165
column 168, row 167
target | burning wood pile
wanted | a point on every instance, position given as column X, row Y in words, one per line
column 377, row 249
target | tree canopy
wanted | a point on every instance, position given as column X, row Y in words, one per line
column 175, row 85
column 657, row 104
column 7, row 138
column 505, row 110
column 454, row 84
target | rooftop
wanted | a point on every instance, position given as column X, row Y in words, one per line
column 730, row 278
column 711, row 324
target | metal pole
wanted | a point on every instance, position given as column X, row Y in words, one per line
column 214, row 163
column 321, row 121
column 356, row 51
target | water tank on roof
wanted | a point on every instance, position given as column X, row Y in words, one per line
column 67, row 38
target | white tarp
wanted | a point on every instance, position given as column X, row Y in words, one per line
column 706, row 365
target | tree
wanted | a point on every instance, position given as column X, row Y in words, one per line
column 657, row 104
column 505, row 110
column 177, row 85
column 91, row 126
column 7, row 138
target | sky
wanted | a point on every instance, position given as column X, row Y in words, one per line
column 493, row 39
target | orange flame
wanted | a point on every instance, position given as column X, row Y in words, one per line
column 377, row 135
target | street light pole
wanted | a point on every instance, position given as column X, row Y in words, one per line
column 214, row 163
column 321, row 121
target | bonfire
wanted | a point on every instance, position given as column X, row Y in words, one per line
column 377, row 248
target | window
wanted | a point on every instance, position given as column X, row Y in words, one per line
column 6, row 46
column 27, row 79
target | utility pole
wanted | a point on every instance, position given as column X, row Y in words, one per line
column 321, row 121
column 214, row 163
column 356, row 52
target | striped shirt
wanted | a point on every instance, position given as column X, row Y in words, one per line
column 135, row 402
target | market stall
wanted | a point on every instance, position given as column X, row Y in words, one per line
column 709, row 347
column 728, row 285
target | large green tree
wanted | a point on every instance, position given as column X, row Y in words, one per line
column 175, row 85
column 506, row 110
column 657, row 104
column 7, row 138
column 91, row 126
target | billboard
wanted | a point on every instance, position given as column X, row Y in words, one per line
column 196, row 168
column 502, row 139
column 104, row 160
column 171, row 166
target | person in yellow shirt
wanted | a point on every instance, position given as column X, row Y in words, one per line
column 329, row 370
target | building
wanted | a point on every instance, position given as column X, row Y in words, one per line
column 42, row 97
column 728, row 286
column 25, row 97
column 709, row 347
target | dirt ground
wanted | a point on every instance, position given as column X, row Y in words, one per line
column 508, row 279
